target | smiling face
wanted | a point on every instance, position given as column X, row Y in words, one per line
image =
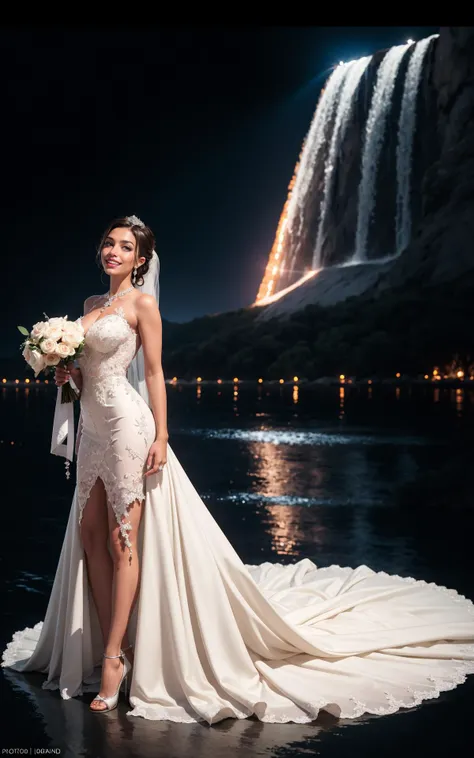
column 119, row 252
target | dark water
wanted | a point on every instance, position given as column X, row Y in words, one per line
column 287, row 474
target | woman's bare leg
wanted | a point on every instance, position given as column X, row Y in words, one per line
column 124, row 595
column 94, row 536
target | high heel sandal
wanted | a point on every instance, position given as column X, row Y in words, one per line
column 112, row 701
column 127, row 648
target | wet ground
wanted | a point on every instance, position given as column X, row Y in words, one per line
column 287, row 473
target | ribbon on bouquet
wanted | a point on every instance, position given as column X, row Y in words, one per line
column 63, row 427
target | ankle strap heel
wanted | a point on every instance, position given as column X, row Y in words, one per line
column 112, row 701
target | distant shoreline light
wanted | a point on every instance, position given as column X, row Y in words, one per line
column 458, row 376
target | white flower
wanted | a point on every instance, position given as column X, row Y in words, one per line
column 34, row 359
column 52, row 359
column 49, row 345
column 79, row 329
column 56, row 321
column 73, row 336
column 38, row 330
column 69, row 339
column 64, row 350
column 53, row 332
column 72, row 344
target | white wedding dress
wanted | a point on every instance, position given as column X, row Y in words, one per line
column 213, row 637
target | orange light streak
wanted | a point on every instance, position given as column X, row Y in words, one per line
column 269, row 282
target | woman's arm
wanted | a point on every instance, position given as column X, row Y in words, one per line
column 150, row 328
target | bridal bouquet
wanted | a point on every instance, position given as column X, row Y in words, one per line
column 51, row 343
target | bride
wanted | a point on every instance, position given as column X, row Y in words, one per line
column 148, row 590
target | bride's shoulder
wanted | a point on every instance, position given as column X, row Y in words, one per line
column 90, row 302
column 145, row 302
column 147, row 310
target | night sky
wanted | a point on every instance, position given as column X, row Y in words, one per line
column 194, row 129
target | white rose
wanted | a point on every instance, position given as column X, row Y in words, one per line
column 49, row 346
column 70, row 341
column 54, row 332
column 72, row 336
column 56, row 321
column 52, row 359
column 79, row 330
column 34, row 359
column 64, row 350
column 38, row 330
column 73, row 325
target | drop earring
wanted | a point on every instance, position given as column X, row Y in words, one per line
column 134, row 275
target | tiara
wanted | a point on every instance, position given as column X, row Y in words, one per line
column 135, row 221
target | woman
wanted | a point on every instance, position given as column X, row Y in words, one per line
column 204, row 636
column 113, row 449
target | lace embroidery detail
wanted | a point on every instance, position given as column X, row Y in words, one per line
column 132, row 453
column 117, row 424
column 296, row 714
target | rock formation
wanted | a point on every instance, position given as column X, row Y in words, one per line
column 441, row 187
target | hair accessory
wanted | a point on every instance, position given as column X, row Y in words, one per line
column 135, row 221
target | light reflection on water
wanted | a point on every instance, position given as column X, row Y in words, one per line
column 294, row 437
column 286, row 476
column 288, row 528
column 286, row 500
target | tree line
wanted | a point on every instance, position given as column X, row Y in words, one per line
column 408, row 330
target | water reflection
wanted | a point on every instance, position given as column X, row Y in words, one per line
column 290, row 526
column 69, row 726
column 305, row 437
column 275, row 470
column 291, row 486
column 320, row 487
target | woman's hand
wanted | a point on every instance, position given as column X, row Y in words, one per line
column 156, row 455
column 62, row 374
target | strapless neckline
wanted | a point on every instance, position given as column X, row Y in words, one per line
column 118, row 313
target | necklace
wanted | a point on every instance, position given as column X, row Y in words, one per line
column 111, row 298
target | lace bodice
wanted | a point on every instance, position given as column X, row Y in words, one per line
column 110, row 345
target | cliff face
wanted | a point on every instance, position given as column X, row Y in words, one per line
column 442, row 247
column 442, row 197
column 340, row 229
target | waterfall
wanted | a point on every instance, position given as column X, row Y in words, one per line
column 373, row 141
column 315, row 139
column 352, row 79
column 406, row 133
column 365, row 108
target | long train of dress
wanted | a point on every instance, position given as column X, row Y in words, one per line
column 216, row 638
